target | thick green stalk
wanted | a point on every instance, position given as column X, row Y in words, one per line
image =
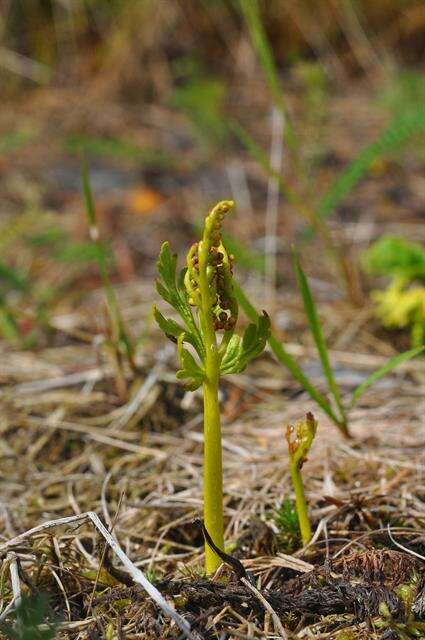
column 301, row 502
column 213, row 480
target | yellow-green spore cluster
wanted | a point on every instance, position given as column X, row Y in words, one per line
column 208, row 263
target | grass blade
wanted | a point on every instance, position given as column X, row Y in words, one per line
column 398, row 131
column 391, row 364
column 117, row 148
column 251, row 12
column 287, row 360
column 88, row 197
column 119, row 332
column 8, row 326
column 317, row 332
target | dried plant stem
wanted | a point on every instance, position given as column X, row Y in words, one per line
column 267, row 606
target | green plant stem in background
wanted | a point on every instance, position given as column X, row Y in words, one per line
column 251, row 11
column 319, row 339
column 299, row 203
column 120, row 336
column 213, row 474
column 300, row 502
column 299, row 441
column 289, row 363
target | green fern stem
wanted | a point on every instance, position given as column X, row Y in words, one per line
column 301, row 502
column 299, row 439
column 213, row 480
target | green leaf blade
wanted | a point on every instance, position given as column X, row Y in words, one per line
column 286, row 359
column 173, row 292
column 167, row 263
column 231, row 356
column 13, row 278
column 317, row 332
column 171, row 328
column 190, row 370
column 391, row 364
column 88, row 196
column 402, row 127
column 240, row 352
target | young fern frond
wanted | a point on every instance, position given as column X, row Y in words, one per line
column 204, row 298
column 300, row 438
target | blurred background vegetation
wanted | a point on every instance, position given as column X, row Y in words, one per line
column 287, row 106
column 148, row 45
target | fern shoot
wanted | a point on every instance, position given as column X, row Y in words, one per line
column 299, row 439
column 204, row 298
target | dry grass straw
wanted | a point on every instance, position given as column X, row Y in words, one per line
column 67, row 447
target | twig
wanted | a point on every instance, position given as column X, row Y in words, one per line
column 276, row 620
column 16, row 585
column 97, row 434
column 400, row 546
column 12, row 604
column 24, row 66
column 102, row 558
column 240, row 191
column 92, row 375
column 14, row 577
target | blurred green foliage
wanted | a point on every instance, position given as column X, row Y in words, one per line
column 41, row 264
column 32, row 612
column 13, row 140
column 405, row 90
column 202, row 100
column 117, row 148
column 402, row 304
column 393, row 256
column 402, row 128
column 314, row 90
